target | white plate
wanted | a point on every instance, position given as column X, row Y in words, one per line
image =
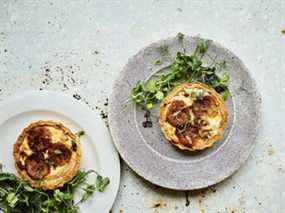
column 97, row 149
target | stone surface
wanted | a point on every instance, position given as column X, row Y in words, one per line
column 80, row 46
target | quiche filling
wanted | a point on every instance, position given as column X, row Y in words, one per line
column 47, row 154
column 193, row 116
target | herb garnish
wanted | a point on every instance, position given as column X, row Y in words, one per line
column 80, row 133
column 185, row 68
column 18, row 196
column 157, row 62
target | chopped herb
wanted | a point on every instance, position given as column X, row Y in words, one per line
column 80, row 133
column 180, row 36
column 159, row 95
column 185, row 68
column 202, row 47
column 164, row 50
column 12, row 199
column 17, row 196
column 101, row 183
column 195, row 92
column 157, row 62
column 225, row 94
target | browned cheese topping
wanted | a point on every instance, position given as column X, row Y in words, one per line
column 188, row 120
column 45, row 154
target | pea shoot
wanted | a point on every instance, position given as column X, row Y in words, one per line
column 185, row 68
column 18, row 196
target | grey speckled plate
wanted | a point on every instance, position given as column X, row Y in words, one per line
column 146, row 150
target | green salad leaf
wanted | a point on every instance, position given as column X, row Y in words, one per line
column 185, row 68
column 17, row 196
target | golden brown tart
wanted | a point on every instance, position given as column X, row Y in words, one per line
column 193, row 116
column 47, row 154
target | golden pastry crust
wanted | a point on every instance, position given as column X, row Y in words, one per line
column 193, row 116
column 47, row 154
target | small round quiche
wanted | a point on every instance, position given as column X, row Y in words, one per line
column 47, row 154
column 193, row 116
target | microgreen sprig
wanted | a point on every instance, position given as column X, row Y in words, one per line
column 17, row 196
column 185, row 68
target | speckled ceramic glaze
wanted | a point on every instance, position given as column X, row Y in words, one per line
column 146, row 150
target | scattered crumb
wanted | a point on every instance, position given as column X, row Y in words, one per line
column 213, row 189
column 179, row 9
column 187, row 203
column 76, row 96
column 159, row 205
column 270, row 150
column 63, row 77
column 283, row 31
column 103, row 114
column 234, row 210
column 106, row 102
column 65, row 86
column 147, row 123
